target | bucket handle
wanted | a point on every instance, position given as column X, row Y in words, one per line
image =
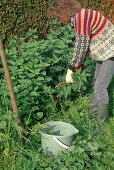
column 60, row 143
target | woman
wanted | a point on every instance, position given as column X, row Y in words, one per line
column 95, row 33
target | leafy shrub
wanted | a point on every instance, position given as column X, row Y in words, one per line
column 37, row 66
column 16, row 17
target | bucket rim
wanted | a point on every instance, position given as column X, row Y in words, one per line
column 41, row 132
column 59, row 135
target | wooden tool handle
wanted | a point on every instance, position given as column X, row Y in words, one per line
column 10, row 87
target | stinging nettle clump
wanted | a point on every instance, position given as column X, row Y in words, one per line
column 63, row 10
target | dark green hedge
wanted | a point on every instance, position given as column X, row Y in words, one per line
column 17, row 16
column 103, row 6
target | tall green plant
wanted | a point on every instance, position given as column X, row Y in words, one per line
column 36, row 67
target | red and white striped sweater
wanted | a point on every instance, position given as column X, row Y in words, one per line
column 93, row 32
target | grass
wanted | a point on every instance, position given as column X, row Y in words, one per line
column 13, row 156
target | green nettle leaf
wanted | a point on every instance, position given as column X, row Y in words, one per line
column 44, row 64
column 30, row 75
column 92, row 146
column 22, row 81
column 35, row 37
column 80, row 150
column 22, row 76
column 57, row 51
column 1, row 70
column 23, row 46
column 72, row 148
column 44, row 73
column 54, row 22
column 13, row 68
column 83, row 78
column 36, row 88
column 69, row 27
column 40, row 114
column 29, row 34
column 21, row 39
column 40, row 78
column 3, row 124
column 49, row 37
column 38, row 83
column 12, row 62
column 34, row 108
column 56, row 59
column 3, row 117
column 34, row 93
column 64, row 168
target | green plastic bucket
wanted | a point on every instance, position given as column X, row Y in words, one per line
column 61, row 137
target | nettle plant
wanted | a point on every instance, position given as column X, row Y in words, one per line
column 36, row 67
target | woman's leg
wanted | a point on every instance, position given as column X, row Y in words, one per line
column 103, row 79
column 99, row 101
column 93, row 101
column 100, row 87
column 97, row 70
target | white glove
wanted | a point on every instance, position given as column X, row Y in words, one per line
column 69, row 76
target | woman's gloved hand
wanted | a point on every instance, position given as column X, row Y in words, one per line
column 69, row 76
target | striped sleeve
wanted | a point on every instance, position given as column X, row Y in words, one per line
column 88, row 24
column 98, row 24
column 82, row 25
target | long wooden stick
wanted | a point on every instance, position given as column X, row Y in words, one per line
column 10, row 87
